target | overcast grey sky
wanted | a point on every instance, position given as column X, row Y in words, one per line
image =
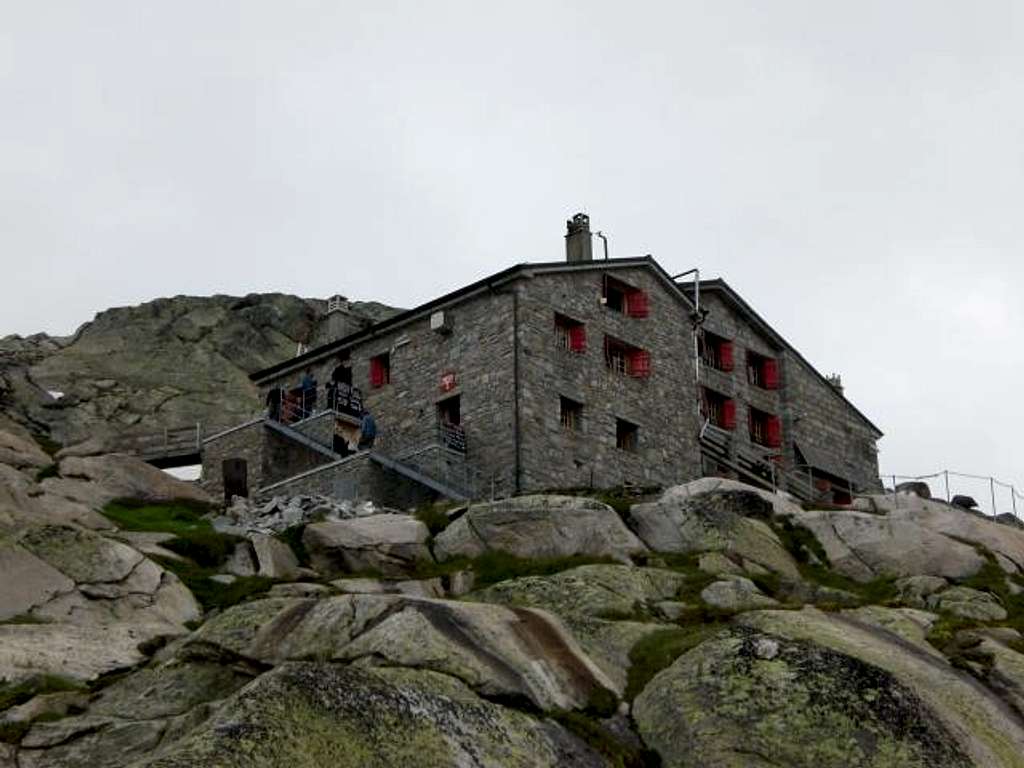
column 854, row 169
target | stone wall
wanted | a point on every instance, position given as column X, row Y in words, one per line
column 284, row 457
column 479, row 354
column 242, row 442
column 661, row 405
column 824, row 423
column 723, row 320
column 354, row 477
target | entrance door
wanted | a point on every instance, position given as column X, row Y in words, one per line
column 236, row 478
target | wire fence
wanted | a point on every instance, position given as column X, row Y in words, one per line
column 993, row 496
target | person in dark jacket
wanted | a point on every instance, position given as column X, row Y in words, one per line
column 308, row 393
column 367, row 431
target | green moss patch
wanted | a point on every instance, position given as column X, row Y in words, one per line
column 180, row 518
column 12, row 695
column 213, row 594
column 657, row 650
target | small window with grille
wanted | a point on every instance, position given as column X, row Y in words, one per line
column 716, row 352
column 570, row 414
column 570, row 335
column 718, row 409
column 622, row 297
column 627, row 435
column 762, row 371
column 626, row 359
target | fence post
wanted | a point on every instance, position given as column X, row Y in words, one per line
column 1013, row 499
column 946, row 473
column 992, row 490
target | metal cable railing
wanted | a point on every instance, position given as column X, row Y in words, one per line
column 987, row 482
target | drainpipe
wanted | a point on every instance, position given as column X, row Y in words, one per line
column 604, row 240
column 697, row 321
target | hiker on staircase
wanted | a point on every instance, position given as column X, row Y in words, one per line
column 367, row 431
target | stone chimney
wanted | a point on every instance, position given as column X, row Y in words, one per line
column 836, row 381
column 339, row 322
column 577, row 239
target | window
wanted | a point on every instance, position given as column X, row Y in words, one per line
column 449, row 411
column 716, row 352
column 625, row 359
column 765, row 429
column 570, row 335
column 624, row 298
column 380, row 370
column 718, row 409
column 570, row 414
column 449, row 424
column 762, row 371
column 627, row 435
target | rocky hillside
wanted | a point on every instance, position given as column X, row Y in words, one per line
column 709, row 625
column 169, row 362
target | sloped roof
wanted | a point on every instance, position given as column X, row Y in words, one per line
column 488, row 283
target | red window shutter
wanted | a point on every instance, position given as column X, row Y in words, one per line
column 376, row 372
column 774, row 432
column 771, row 374
column 729, row 414
column 637, row 304
column 725, row 355
column 640, row 364
column 578, row 338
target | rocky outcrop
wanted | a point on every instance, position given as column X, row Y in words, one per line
column 974, row 719
column 71, row 589
column 866, row 546
column 714, row 516
column 390, row 544
column 166, row 363
column 119, row 476
column 735, row 594
column 502, row 653
column 609, row 608
column 539, row 527
column 765, row 700
column 308, row 715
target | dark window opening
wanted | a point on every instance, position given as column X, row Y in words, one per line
column 765, row 429
column 762, row 371
column 380, row 370
column 449, row 424
column 570, row 414
column 342, row 373
column 570, row 335
column 716, row 352
column 718, row 409
column 450, row 411
column 627, row 435
column 625, row 359
column 622, row 297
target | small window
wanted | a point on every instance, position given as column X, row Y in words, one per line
column 570, row 414
column 625, row 359
column 570, row 335
column 627, row 435
column 762, row 371
column 765, row 429
column 449, row 411
column 380, row 370
column 621, row 297
column 716, row 352
column 718, row 409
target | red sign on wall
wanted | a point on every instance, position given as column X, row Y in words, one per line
column 448, row 381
